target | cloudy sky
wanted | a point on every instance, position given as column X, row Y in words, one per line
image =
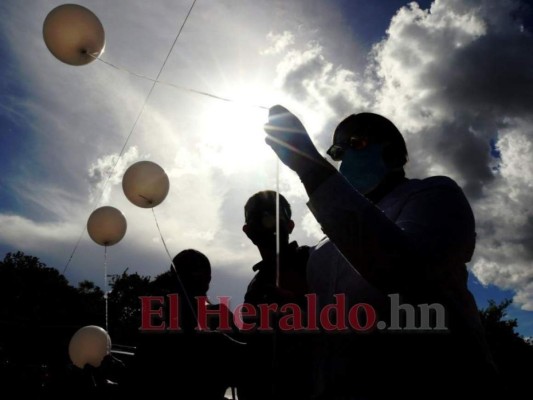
column 456, row 76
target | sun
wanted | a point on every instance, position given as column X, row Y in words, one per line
column 235, row 137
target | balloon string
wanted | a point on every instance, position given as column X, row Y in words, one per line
column 74, row 250
column 275, row 336
column 277, row 226
column 182, row 88
column 133, row 127
column 105, row 291
column 148, row 97
column 182, row 286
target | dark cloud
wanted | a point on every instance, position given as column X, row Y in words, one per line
column 457, row 80
column 492, row 74
column 462, row 151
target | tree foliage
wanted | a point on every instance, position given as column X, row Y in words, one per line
column 512, row 353
column 40, row 310
column 124, row 306
column 36, row 304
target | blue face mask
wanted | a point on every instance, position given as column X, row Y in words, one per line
column 365, row 168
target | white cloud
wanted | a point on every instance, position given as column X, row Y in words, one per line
column 505, row 219
column 279, row 42
column 452, row 78
column 107, row 171
column 35, row 236
column 81, row 117
column 311, row 226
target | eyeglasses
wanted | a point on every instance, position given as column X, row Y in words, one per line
column 337, row 150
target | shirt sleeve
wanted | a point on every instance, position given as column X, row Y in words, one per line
column 434, row 229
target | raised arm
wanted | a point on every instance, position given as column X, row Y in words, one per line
column 434, row 229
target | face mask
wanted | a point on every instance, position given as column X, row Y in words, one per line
column 365, row 168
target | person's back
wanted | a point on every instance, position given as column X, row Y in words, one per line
column 188, row 362
column 278, row 360
column 453, row 354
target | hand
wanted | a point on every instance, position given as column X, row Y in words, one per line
column 290, row 141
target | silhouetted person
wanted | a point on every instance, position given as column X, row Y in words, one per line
column 387, row 235
column 197, row 361
column 278, row 360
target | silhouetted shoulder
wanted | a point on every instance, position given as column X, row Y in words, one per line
column 438, row 181
column 421, row 195
column 442, row 186
column 432, row 182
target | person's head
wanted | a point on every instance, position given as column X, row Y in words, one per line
column 369, row 147
column 194, row 270
column 260, row 219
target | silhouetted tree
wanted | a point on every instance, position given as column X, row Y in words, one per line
column 39, row 312
column 125, row 306
column 34, row 301
column 92, row 303
column 512, row 354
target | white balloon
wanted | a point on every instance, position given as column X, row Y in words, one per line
column 73, row 34
column 145, row 184
column 106, row 226
column 89, row 345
